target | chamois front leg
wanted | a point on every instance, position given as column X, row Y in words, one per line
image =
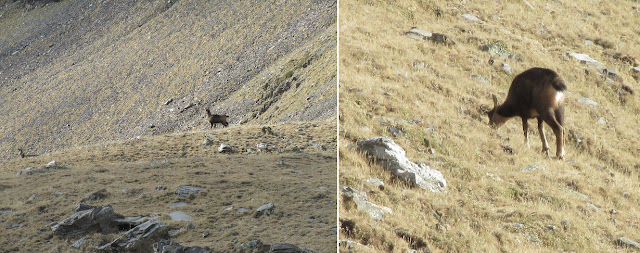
column 543, row 138
column 525, row 128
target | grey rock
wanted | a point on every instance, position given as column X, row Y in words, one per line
column 421, row 35
column 506, row 68
column 185, row 190
column 470, row 17
column 360, row 199
column 170, row 246
column 585, row 58
column 210, row 136
column 318, row 147
column 13, row 226
column 552, row 227
column 175, row 232
column 86, row 221
column 532, row 167
column 177, row 204
column 207, row 142
column 376, row 182
column 480, row 78
column 392, row 157
column 180, row 216
column 256, row 246
column 494, row 177
column 635, row 69
column 154, row 163
column 51, row 164
column 628, row 243
column 242, row 210
column 264, row 209
column 19, row 173
column 496, row 50
column 592, row 207
column 353, row 246
column 396, row 132
column 225, row 148
column 566, row 225
column 418, row 34
column 138, row 239
column 518, row 225
column 253, row 246
column 131, row 221
column 205, row 234
column 533, row 238
column 33, row 197
column 78, row 243
column 286, row 248
column 587, row 101
column 82, row 207
column 101, row 194
column 5, row 211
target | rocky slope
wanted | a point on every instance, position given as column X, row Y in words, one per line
column 82, row 72
column 115, row 93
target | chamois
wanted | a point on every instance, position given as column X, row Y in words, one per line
column 22, row 154
column 214, row 119
column 535, row 93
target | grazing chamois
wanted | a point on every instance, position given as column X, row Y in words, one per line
column 22, row 154
column 535, row 93
column 214, row 119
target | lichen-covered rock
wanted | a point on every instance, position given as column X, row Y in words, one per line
column 170, row 246
column 87, row 220
column 138, row 239
column 360, row 199
column 392, row 157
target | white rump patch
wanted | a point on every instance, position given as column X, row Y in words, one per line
column 559, row 97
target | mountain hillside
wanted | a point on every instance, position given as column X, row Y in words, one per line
column 83, row 72
column 292, row 167
column 429, row 90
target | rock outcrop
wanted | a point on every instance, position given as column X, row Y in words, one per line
column 393, row 158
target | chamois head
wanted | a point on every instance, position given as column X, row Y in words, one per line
column 496, row 120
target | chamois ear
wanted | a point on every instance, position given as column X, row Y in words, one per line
column 495, row 101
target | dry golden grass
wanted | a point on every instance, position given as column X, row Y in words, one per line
column 303, row 191
column 388, row 79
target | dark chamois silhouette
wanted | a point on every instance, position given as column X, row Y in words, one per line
column 536, row 93
column 214, row 119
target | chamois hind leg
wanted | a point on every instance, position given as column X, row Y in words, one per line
column 558, row 130
column 525, row 128
column 559, row 113
column 543, row 138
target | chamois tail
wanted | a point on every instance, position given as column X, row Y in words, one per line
column 558, row 84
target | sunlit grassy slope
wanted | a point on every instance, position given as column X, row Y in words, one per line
column 81, row 72
column 437, row 95
column 295, row 172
